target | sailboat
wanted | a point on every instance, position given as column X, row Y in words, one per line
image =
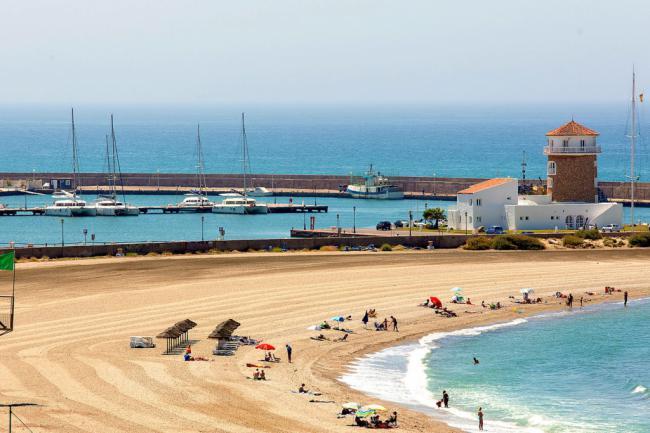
column 66, row 203
column 107, row 204
column 241, row 204
column 197, row 200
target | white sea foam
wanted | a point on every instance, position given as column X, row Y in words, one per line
column 640, row 389
column 398, row 374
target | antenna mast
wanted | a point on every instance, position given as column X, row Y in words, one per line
column 633, row 148
column 245, row 163
column 75, row 158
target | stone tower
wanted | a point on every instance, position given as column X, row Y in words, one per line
column 572, row 166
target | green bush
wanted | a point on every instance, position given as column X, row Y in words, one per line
column 592, row 234
column 276, row 250
column 478, row 243
column 571, row 241
column 386, row 247
column 640, row 240
column 522, row 242
column 502, row 243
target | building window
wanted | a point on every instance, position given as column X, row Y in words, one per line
column 582, row 143
column 549, row 182
column 551, row 168
column 569, row 222
column 478, row 219
column 470, row 201
column 470, row 220
column 526, row 218
column 478, row 202
column 580, row 221
column 521, row 218
column 565, row 143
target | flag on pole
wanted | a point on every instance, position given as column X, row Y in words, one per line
column 7, row 261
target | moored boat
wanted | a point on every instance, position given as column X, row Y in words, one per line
column 375, row 186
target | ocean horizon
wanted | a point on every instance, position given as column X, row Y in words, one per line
column 399, row 139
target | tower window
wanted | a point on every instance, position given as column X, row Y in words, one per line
column 551, row 168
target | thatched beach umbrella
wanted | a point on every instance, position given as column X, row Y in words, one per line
column 170, row 334
column 223, row 331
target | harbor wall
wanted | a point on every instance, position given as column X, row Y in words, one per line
column 305, row 183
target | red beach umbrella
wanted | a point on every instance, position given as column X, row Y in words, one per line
column 435, row 301
column 265, row 346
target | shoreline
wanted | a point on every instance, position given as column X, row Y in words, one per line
column 69, row 351
column 353, row 370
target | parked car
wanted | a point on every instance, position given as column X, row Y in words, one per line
column 495, row 230
column 400, row 223
column 384, row 225
column 610, row 228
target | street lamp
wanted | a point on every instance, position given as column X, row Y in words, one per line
column 354, row 219
column 62, row 240
column 304, row 220
column 434, row 185
column 338, row 226
column 85, row 235
column 410, row 222
column 202, row 220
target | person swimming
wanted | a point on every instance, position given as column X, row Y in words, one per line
column 476, row 362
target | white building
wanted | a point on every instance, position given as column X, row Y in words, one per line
column 571, row 200
column 482, row 205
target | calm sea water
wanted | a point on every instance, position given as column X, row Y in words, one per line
column 578, row 372
column 159, row 227
column 469, row 141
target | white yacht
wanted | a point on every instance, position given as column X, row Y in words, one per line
column 109, row 206
column 240, row 205
column 259, row 191
column 375, row 186
column 68, row 205
column 194, row 202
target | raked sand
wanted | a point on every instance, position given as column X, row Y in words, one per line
column 70, row 352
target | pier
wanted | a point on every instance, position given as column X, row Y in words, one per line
column 174, row 209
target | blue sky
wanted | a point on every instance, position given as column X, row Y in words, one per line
column 321, row 52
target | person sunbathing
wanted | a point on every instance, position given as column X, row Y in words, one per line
column 392, row 421
column 302, row 389
column 372, row 313
column 256, row 375
column 262, row 375
column 321, row 337
column 344, row 338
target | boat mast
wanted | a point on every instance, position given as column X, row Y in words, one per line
column 244, row 143
column 200, row 175
column 633, row 148
column 75, row 158
column 117, row 169
column 110, row 177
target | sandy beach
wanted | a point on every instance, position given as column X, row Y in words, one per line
column 69, row 352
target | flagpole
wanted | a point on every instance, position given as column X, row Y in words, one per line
column 13, row 292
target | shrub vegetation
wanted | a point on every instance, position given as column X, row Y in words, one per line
column 571, row 241
column 640, row 240
column 479, row 243
column 592, row 234
column 386, row 247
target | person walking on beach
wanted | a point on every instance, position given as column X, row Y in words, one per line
column 480, row 418
column 365, row 320
column 445, row 399
column 289, row 351
column 625, row 299
column 394, row 320
column 569, row 301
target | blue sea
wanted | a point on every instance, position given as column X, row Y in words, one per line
column 580, row 372
column 185, row 227
column 450, row 141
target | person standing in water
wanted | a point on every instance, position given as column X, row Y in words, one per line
column 569, row 301
column 625, row 299
column 480, row 418
column 445, row 399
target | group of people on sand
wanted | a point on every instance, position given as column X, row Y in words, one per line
column 259, row 374
column 376, row 422
column 491, row 306
column 386, row 325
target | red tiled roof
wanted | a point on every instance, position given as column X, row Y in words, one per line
column 572, row 128
column 485, row 185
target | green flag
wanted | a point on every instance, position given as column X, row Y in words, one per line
column 7, row 261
